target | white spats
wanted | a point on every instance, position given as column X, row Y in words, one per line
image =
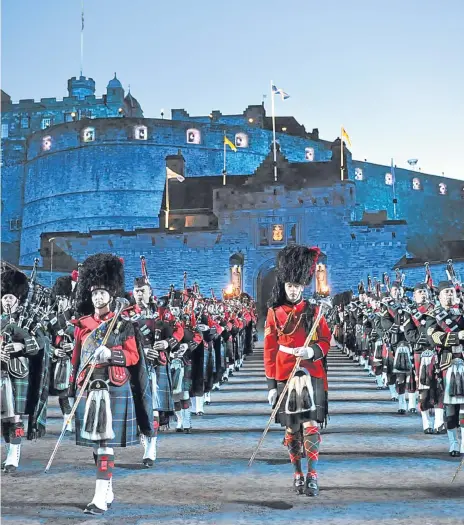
column 412, row 401
column 149, row 447
column 439, row 414
column 453, row 440
column 186, row 418
column 200, row 405
column 379, row 381
column 402, row 402
column 393, row 394
column 179, row 418
column 13, row 456
column 426, row 420
column 462, row 440
column 207, row 398
column 103, row 487
column 193, row 405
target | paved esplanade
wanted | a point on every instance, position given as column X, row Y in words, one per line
column 375, row 466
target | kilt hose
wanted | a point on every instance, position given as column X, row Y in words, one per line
column 124, row 418
column 294, row 421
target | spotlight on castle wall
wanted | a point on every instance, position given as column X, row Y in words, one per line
column 284, row 129
column 250, row 120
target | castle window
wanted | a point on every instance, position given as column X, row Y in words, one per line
column 15, row 225
column 68, row 117
column 88, row 134
column 322, row 287
column 442, row 188
column 358, row 174
column 5, row 129
column 46, row 144
column 291, row 233
column 193, row 136
column 309, row 154
column 46, row 123
column 416, row 184
column 388, row 179
column 140, row 132
column 25, row 122
column 263, row 236
column 241, row 140
column 278, row 234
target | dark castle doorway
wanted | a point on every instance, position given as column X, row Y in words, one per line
column 266, row 280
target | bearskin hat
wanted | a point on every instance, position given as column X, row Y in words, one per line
column 141, row 281
column 14, row 282
column 63, row 286
column 296, row 264
column 442, row 285
column 103, row 270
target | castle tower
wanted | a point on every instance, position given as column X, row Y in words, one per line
column 81, row 87
column 115, row 91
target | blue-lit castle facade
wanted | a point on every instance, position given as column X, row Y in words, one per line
column 87, row 174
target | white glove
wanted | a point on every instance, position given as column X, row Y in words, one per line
column 102, row 354
column 305, row 352
column 160, row 346
column 59, row 352
column 272, row 396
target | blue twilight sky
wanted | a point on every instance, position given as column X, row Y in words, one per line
column 391, row 72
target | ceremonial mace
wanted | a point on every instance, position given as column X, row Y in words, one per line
column 121, row 303
column 324, row 303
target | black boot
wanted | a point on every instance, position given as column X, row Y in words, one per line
column 299, row 484
column 311, row 486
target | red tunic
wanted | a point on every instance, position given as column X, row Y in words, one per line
column 85, row 326
column 278, row 365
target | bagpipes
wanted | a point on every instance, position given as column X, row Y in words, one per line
column 451, row 273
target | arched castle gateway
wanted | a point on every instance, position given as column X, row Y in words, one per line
column 87, row 174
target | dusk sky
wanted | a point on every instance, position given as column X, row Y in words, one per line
column 391, row 72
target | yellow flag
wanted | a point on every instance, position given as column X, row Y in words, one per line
column 346, row 136
column 230, row 144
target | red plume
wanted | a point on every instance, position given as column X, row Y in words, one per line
column 75, row 276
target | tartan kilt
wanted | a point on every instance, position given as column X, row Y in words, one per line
column 187, row 381
column 164, row 398
column 124, row 418
column 295, row 420
column 52, row 391
column 20, row 388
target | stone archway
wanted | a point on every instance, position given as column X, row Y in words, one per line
column 264, row 284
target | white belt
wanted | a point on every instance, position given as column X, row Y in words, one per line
column 287, row 349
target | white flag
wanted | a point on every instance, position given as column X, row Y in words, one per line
column 173, row 175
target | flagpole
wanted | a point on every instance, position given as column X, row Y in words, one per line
column 392, row 169
column 166, row 224
column 274, row 132
column 341, row 153
column 224, row 170
column 82, row 37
